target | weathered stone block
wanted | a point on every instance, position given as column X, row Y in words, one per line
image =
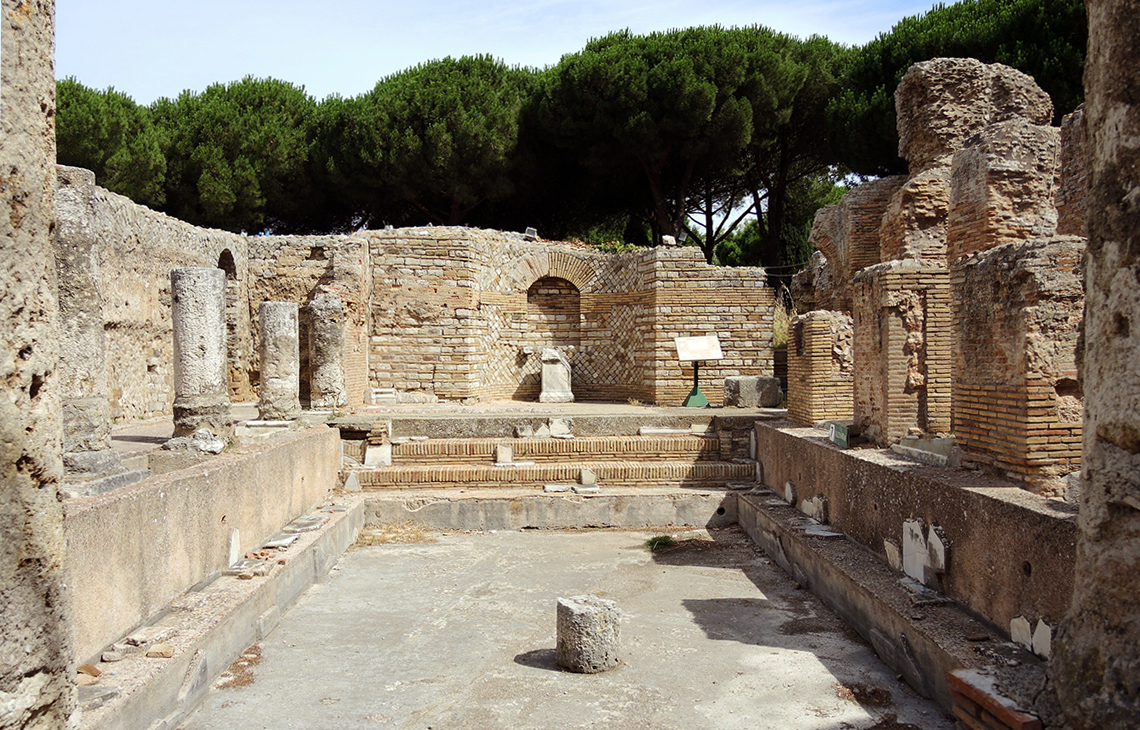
column 752, row 391
column 944, row 102
column 588, row 634
column 1001, row 187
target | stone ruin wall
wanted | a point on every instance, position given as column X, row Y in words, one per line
column 960, row 326
column 298, row 269
column 464, row 314
column 134, row 249
column 431, row 313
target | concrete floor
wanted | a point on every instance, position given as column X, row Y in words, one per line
column 459, row 632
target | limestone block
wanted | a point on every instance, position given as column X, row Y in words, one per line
column 588, row 634
column 587, row 477
column 504, row 453
column 752, row 391
column 326, row 352
column 815, row 508
column 378, row 455
column 944, row 102
column 555, row 378
column 560, row 426
column 1042, row 639
column 280, row 362
column 201, row 393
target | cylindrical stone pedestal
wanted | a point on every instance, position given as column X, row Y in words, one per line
column 588, row 632
column 280, row 362
column 326, row 352
column 201, row 394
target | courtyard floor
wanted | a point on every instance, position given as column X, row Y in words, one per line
column 455, row 631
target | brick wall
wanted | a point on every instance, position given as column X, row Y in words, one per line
column 902, row 350
column 1017, row 405
column 820, row 368
column 474, row 320
column 848, row 235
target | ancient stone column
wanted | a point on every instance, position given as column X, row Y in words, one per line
column 326, row 352
column 201, row 395
column 280, row 362
column 1097, row 650
column 82, row 364
column 588, row 633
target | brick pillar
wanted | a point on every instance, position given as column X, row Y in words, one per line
column 820, row 368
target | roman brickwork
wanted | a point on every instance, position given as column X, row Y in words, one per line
column 821, row 368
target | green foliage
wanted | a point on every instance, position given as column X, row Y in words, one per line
column 750, row 246
column 661, row 110
column 107, row 133
column 1043, row 38
column 440, row 137
column 237, row 155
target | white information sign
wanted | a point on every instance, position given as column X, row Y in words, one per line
column 698, row 348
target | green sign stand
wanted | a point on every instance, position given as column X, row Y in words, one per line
column 696, row 398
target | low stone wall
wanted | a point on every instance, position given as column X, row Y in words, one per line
column 131, row 551
column 1010, row 553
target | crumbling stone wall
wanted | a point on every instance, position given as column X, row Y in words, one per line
column 35, row 685
column 848, row 234
column 821, row 372
column 1072, row 176
column 135, row 249
column 902, row 345
column 1017, row 399
column 1097, row 653
column 1002, row 187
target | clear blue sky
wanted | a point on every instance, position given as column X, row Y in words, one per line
column 153, row 48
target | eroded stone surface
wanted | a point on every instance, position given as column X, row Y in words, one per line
column 280, row 362
column 35, row 680
column 201, row 394
column 326, row 352
column 1097, row 649
column 944, row 102
column 589, row 629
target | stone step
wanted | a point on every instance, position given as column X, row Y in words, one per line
column 609, row 474
column 599, row 448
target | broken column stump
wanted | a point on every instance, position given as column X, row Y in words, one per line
column 588, row 632
column 280, row 362
column 201, row 390
column 326, row 352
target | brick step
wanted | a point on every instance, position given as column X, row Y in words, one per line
column 610, row 474
column 596, row 448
